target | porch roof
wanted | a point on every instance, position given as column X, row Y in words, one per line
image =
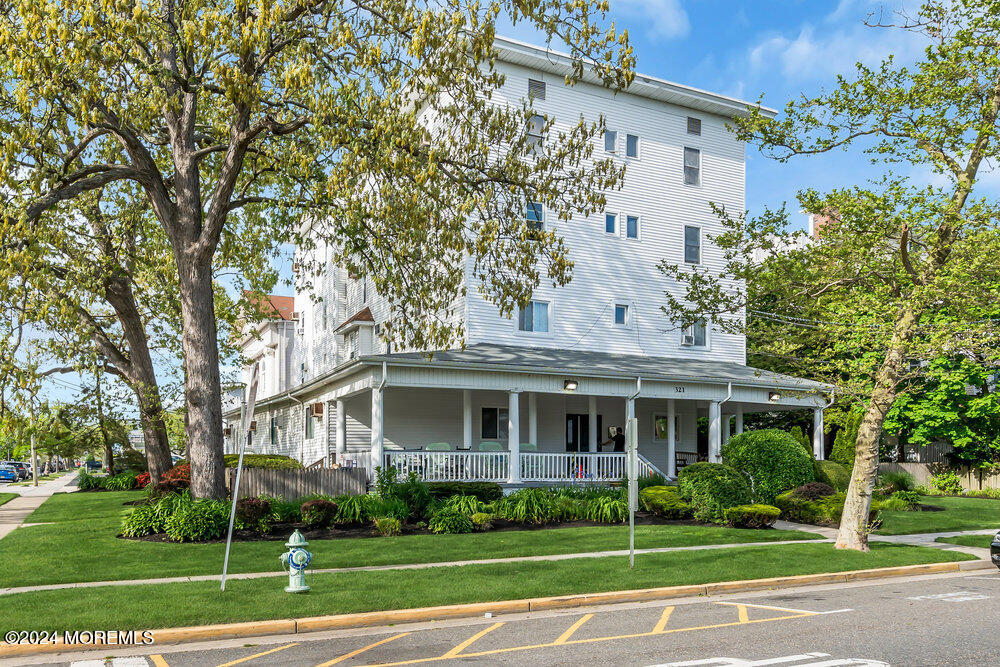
column 487, row 356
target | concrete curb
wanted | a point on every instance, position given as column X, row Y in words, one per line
column 376, row 618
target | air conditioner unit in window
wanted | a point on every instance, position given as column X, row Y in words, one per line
column 687, row 340
column 316, row 410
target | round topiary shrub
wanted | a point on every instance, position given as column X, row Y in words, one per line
column 751, row 516
column 772, row 460
column 253, row 514
column 712, row 487
column 813, row 490
column 664, row 501
column 318, row 513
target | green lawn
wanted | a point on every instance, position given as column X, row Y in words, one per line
column 7, row 497
column 959, row 514
column 81, row 545
column 982, row 541
column 195, row 603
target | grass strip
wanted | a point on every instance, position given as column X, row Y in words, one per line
column 958, row 514
column 7, row 497
column 981, row 541
column 199, row 603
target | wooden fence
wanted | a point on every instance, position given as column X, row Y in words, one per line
column 972, row 480
column 293, row 484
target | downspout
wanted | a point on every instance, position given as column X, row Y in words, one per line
column 638, row 389
column 832, row 398
column 729, row 395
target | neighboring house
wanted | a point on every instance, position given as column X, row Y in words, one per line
column 562, row 374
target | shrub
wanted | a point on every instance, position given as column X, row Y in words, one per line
column 273, row 461
column 468, row 505
column 320, row 513
column 253, row 514
column 142, row 480
column 664, row 501
column 947, row 482
column 751, row 516
column 772, row 461
column 801, row 438
column 711, row 487
column 166, row 488
column 390, row 507
column 890, row 482
column 121, row 482
column 643, row 481
column 607, row 509
column 535, row 506
column 587, row 492
column 830, row 472
column 86, row 482
column 568, row 508
column 911, row 498
column 813, row 490
column 481, row 521
column 846, row 439
column 485, row 491
column 181, row 471
column 388, row 526
column 131, row 459
column 351, row 509
column 198, row 520
column 449, row 520
column 284, row 511
column 141, row 520
column 824, row 511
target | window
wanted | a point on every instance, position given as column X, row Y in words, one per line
column 692, row 166
column 660, row 424
column 632, row 226
column 695, row 335
column 495, row 424
column 631, row 145
column 534, row 214
column 536, row 89
column 364, row 290
column 694, row 126
column 611, row 223
column 534, row 317
column 621, row 315
column 610, row 141
column 310, row 426
column 536, row 133
column 324, row 316
column 274, row 432
column 692, row 244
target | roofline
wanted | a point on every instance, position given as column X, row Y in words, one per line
column 558, row 62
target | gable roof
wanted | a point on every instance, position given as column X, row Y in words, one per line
column 272, row 306
column 363, row 315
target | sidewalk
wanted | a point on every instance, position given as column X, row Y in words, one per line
column 13, row 513
column 916, row 539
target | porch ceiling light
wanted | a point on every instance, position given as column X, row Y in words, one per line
column 570, row 385
column 774, row 396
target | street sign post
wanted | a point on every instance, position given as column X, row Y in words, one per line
column 632, row 462
column 245, row 436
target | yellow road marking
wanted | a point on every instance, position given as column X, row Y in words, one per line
column 470, row 641
column 590, row 640
column 662, row 623
column 255, row 655
column 764, row 606
column 158, row 660
column 348, row 656
column 564, row 637
column 744, row 616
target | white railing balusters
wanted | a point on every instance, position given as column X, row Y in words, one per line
column 451, row 466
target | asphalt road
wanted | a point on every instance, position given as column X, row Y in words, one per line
column 932, row 620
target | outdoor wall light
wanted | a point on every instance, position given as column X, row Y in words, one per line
column 774, row 396
column 570, row 385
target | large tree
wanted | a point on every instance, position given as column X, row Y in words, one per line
column 902, row 271
column 234, row 115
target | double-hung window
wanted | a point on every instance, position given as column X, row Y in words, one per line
column 695, row 335
column 694, row 126
column 610, row 141
column 536, row 134
column 274, row 432
column 534, row 317
column 692, row 244
column 632, row 226
column 692, row 166
column 494, row 424
column 632, row 145
column 534, row 215
column 621, row 315
column 310, row 426
column 611, row 223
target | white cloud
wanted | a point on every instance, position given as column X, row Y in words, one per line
column 666, row 18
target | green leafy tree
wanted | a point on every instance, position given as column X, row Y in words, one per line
column 901, row 272
column 237, row 118
column 847, row 435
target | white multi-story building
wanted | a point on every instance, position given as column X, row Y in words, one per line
column 531, row 396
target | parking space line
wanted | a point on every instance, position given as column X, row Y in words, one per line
column 662, row 623
column 348, row 656
column 158, row 660
column 470, row 641
column 258, row 655
column 564, row 637
column 741, row 610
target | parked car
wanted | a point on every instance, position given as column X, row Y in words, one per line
column 20, row 467
column 94, row 465
column 995, row 550
column 8, row 474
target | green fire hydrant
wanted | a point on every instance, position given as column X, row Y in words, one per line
column 296, row 559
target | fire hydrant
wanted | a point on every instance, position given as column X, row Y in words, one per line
column 296, row 560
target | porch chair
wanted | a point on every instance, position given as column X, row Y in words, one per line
column 438, row 447
column 531, row 467
column 490, row 446
column 528, row 447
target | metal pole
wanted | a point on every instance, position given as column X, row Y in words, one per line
column 244, row 429
column 34, row 461
column 632, row 429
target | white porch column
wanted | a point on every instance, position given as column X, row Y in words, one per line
column 818, row 433
column 714, row 432
column 341, row 442
column 514, row 437
column 533, row 418
column 592, row 423
column 467, row 419
column 377, row 404
column 739, row 419
column 671, row 439
column 727, row 423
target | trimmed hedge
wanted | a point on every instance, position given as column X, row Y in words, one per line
column 830, row 472
column 751, row 516
column 823, row 511
column 664, row 501
column 273, row 461
column 712, row 487
column 486, row 491
column 772, row 460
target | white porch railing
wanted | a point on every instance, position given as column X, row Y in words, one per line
column 452, row 466
column 354, row 460
column 572, row 467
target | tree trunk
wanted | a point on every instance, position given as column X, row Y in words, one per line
column 854, row 520
column 154, row 433
column 203, row 391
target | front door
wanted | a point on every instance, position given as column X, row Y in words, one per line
column 578, row 432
